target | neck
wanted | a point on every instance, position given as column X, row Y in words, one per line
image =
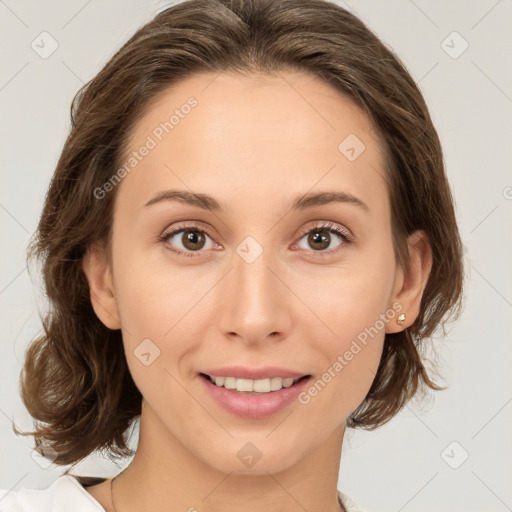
column 164, row 475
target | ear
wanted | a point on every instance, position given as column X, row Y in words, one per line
column 410, row 285
column 99, row 276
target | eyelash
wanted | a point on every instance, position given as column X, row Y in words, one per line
column 328, row 226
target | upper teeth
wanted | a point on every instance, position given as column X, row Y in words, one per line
column 258, row 386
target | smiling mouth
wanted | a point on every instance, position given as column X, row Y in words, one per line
column 252, row 386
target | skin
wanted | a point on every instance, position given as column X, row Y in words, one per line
column 254, row 143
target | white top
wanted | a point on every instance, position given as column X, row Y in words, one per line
column 67, row 490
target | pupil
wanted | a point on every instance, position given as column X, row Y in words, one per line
column 319, row 237
column 191, row 240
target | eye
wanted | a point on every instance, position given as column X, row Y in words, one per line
column 193, row 238
column 320, row 238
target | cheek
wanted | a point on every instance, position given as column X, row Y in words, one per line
column 355, row 309
column 158, row 305
column 352, row 298
column 151, row 294
column 349, row 359
column 157, row 320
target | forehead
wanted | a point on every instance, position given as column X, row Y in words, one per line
column 250, row 135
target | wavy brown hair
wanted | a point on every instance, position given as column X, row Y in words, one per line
column 75, row 381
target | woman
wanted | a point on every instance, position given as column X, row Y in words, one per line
column 247, row 240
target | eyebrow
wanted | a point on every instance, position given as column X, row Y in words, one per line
column 302, row 202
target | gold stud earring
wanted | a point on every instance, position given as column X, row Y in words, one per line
column 401, row 319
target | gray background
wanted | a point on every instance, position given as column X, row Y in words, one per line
column 416, row 462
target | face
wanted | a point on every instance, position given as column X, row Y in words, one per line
column 257, row 278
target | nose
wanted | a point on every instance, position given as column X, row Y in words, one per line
column 256, row 303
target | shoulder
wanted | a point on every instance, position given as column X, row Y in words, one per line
column 66, row 490
column 348, row 503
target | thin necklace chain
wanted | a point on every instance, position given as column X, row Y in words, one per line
column 114, row 505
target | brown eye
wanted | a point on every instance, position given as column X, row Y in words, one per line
column 319, row 239
column 187, row 240
column 193, row 240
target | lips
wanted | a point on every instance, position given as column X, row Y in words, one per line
column 240, row 372
column 252, row 404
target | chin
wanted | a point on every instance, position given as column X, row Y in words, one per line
column 258, row 457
